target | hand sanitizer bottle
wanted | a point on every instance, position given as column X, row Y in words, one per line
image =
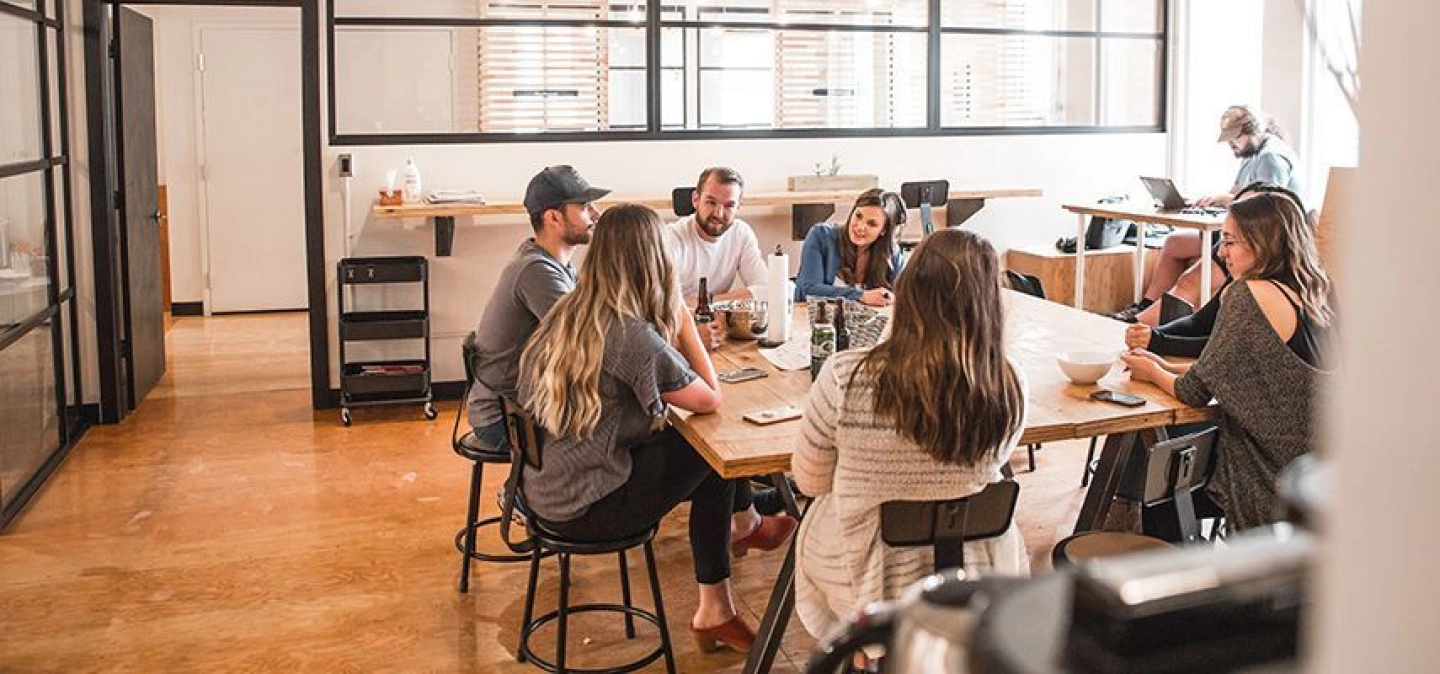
column 412, row 182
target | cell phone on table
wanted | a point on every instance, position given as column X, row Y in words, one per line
column 742, row 374
column 1106, row 395
column 772, row 416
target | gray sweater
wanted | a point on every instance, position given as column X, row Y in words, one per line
column 1266, row 395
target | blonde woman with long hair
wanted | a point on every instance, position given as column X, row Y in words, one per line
column 598, row 375
column 1265, row 362
column 931, row 413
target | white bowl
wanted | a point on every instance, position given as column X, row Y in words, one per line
column 1085, row 367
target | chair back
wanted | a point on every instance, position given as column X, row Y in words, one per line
column 527, row 441
column 468, row 351
column 682, row 201
column 1176, row 469
column 925, row 195
column 1025, row 283
column 947, row 525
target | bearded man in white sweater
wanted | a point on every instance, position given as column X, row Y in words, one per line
column 716, row 244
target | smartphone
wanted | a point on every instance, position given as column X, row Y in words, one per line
column 742, row 374
column 1117, row 397
column 773, row 416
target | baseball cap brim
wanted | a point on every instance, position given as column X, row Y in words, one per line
column 587, row 196
column 1228, row 134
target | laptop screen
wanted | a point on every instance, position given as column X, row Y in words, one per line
column 1163, row 189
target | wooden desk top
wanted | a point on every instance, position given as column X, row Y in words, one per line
column 1149, row 215
column 1036, row 330
column 664, row 203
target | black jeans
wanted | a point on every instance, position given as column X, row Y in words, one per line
column 665, row 471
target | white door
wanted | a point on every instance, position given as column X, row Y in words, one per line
column 252, row 172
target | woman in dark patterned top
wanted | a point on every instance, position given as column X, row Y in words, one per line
column 1266, row 361
column 599, row 375
column 1186, row 336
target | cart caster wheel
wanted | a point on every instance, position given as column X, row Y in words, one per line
column 430, row 412
column 345, row 417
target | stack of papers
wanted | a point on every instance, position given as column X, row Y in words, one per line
column 455, row 197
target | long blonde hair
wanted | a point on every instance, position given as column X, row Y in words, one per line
column 942, row 379
column 1284, row 244
column 625, row 273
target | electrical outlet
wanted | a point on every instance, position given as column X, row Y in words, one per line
column 347, row 166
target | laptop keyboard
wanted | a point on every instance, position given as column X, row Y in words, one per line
column 1208, row 210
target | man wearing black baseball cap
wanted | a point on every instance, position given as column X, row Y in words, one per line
column 562, row 213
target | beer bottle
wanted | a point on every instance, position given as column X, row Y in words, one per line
column 705, row 316
column 822, row 340
column 842, row 333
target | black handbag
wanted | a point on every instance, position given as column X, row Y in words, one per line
column 1101, row 232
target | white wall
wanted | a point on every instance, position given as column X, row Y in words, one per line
column 1379, row 602
column 177, row 124
column 1218, row 56
column 1066, row 167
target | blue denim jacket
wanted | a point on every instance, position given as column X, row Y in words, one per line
column 820, row 264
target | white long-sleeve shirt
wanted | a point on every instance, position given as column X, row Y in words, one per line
column 735, row 256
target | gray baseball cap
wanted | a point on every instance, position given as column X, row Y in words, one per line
column 556, row 186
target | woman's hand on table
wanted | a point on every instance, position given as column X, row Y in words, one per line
column 1137, row 336
column 877, row 297
column 1144, row 366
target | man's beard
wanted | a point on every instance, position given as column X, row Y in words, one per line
column 1250, row 151
column 715, row 229
column 576, row 238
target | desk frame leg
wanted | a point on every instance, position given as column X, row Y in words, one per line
column 1206, row 262
column 1139, row 261
column 1119, row 450
column 444, row 235
column 1080, row 264
column 782, row 597
column 957, row 211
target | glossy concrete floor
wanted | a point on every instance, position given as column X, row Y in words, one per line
column 225, row 526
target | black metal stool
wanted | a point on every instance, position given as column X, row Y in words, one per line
column 468, row 447
column 527, row 440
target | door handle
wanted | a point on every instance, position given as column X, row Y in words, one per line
column 157, row 216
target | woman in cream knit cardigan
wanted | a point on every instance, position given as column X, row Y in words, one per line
column 931, row 413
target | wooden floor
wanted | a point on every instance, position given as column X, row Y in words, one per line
column 225, row 526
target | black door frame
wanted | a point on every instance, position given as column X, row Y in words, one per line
column 105, row 197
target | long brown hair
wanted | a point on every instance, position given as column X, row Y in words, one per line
column 942, row 379
column 881, row 267
column 1284, row 245
column 625, row 273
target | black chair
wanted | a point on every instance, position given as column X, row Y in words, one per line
column 468, row 447
column 527, row 442
column 947, row 525
column 682, row 201
column 1175, row 469
column 925, row 195
column 1030, row 285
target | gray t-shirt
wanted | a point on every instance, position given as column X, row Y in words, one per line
column 531, row 283
column 637, row 367
column 1275, row 163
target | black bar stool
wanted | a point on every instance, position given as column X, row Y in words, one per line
column 526, row 449
column 468, row 447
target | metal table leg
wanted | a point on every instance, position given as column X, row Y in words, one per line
column 782, row 597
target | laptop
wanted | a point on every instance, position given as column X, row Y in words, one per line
column 1169, row 199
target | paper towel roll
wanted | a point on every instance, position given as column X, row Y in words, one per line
column 777, row 296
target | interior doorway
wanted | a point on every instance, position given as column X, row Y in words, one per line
column 165, row 76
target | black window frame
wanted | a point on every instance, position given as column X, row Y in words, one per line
column 654, row 24
column 61, row 312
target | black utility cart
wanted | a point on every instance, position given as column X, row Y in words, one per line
column 389, row 381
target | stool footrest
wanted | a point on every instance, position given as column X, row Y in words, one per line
column 485, row 556
column 527, row 655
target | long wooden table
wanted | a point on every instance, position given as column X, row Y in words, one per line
column 1142, row 216
column 1058, row 410
column 961, row 205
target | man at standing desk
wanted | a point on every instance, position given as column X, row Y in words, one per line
column 1255, row 139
